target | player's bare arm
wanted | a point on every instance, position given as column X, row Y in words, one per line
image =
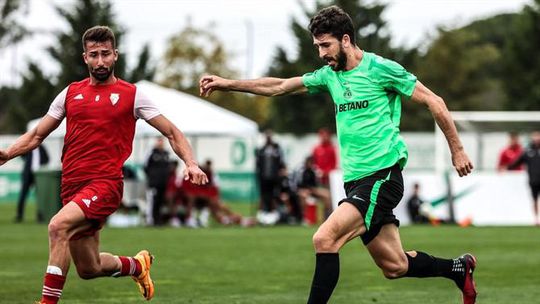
column 442, row 116
column 266, row 86
column 30, row 140
column 181, row 147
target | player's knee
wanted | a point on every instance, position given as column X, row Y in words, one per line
column 394, row 269
column 323, row 242
column 57, row 231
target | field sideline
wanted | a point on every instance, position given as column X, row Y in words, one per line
column 272, row 265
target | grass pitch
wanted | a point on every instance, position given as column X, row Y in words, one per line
column 272, row 265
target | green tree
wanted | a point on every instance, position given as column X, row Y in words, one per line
column 11, row 29
column 302, row 114
column 194, row 52
column 467, row 67
column 29, row 101
column 7, row 95
column 522, row 61
column 455, row 68
column 67, row 51
column 33, row 98
column 191, row 53
column 144, row 70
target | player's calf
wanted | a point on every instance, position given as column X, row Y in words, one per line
column 88, row 272
column 393, row 269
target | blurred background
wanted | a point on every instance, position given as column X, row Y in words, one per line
column 480, row 56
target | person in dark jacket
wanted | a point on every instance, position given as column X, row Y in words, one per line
column 414, row 204
column 531, row 158
column 269, row 158
column 288, row 198
column 157, row 168
column 33, row 160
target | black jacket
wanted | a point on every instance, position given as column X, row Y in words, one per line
column 269, row 159
column 156, row 168
column 530, row 157
column 27, row 157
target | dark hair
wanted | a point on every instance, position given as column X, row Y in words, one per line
column 334, row 21
column 99, row 33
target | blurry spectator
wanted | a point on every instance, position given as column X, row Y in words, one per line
column 129, row 173
column 289, row 198
column 178, row 205
column 207, row 196
column 127, row 214
column 531, row 158
column 130, row 197
column 414, row 205
column 324, row 156
column 33, row 160
column 309, row 188
column 510, row 153
column 157, row 169
column 269, row 158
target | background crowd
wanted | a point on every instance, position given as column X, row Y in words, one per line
column 286, row 195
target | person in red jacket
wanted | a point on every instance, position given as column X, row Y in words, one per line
column 324, row 156
column 510, row 154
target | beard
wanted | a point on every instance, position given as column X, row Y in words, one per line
column 340, row 59
column 101, row 74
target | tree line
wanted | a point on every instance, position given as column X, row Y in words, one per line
column 489, row 64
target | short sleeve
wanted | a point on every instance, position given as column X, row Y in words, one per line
column 315, row 82
column 392, row 76
column 144, row 107
column 57, row 109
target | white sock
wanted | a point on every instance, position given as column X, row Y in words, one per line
column 54, row 270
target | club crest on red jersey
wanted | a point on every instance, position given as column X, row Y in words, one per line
column 114, row 98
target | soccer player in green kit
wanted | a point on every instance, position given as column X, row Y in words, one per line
column 367, row 91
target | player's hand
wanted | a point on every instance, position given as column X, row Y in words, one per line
column 4, row 157
column 195, row 175
column 211, row 83
column 462, row 163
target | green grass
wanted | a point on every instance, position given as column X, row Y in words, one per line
column 272, row 265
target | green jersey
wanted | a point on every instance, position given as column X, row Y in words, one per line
column 367, row 103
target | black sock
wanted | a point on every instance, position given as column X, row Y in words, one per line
column 424, row 265
column 325, row 278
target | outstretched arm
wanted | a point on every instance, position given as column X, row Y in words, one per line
column 181, row 147
column 267, row 86
column 31, row 139
column 438, row 109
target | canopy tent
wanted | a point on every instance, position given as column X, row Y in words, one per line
column 193, row 115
